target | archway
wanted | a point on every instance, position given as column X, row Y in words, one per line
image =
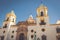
column 21, row 36
column 44, row 37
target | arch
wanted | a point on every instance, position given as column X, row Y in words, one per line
column 2, row 37
column 21, row 36
column 44, row 37
column 42, row 14
column 13, row 20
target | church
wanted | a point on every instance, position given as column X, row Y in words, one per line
column 31, row 29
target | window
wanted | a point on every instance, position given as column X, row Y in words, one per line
column 58, row 37
column 12, row 31
column 42, row 14
column 43, row 37
column 5, row 26
column 42, row 22
column 7, row 19
column 31, row 36
column 31, row 30
column 43, row 30
column 13, row 20
column 12, row 36
column 58, row 30
column 3, row 31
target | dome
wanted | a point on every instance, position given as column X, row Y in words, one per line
column 11, row 14
column 58, row 22
column 30, row 19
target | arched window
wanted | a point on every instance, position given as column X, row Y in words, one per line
column 42, row 14
column 7, row 19
column 32, row 36
column 21, row 36
column 32, row 30
column 5, row 26
column 12, row 36
column 13, row 20
column 44, row 37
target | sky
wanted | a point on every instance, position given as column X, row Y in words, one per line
column 24, row 8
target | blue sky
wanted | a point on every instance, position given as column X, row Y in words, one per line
column 24, row 8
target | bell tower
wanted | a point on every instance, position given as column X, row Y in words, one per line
column 10, row 19
column 42, row 16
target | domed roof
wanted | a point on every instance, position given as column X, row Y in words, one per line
column 58, row 22
column 11, row 14
column 30, row 19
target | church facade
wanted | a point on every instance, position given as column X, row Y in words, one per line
column 39, row 29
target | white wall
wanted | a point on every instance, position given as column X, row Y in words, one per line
column 50, row 32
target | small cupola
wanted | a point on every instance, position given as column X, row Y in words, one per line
column 30, row 19
column 58, row 22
